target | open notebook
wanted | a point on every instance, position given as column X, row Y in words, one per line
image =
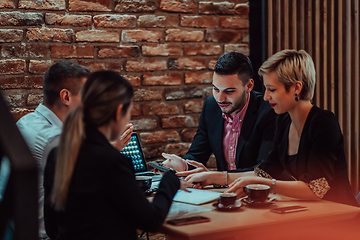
column 196, row 196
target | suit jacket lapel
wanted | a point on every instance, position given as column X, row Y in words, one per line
column 283, row 144
column 216, row 126
column 248, row 124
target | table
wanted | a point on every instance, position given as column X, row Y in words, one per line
column 323, row 220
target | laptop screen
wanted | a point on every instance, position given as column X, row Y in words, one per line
column 134, row 151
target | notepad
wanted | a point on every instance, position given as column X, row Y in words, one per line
column 196, row 196
column 179, row 209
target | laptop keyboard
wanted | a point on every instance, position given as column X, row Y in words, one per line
column 155, row 177
column 148, row 173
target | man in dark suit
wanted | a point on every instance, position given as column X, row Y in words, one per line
column 236, row 124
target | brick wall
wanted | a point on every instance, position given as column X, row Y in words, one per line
column 166, row 49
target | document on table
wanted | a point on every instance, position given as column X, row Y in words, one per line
column 178, row 210
column 196, row 196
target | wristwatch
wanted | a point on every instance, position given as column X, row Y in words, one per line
column 273, row 183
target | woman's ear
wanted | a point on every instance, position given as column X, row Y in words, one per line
column 119, row 113
column 298, row 87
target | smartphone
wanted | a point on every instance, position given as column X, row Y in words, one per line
column 188, row 220
column 289, row 209
column 160, row 167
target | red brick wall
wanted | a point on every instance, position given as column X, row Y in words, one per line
column 166, row 49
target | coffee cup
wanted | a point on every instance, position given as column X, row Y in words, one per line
column 257, row 192
column 227, row 199
column 144, row 182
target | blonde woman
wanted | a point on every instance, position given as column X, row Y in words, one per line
column 308, row 143
column 95, row 195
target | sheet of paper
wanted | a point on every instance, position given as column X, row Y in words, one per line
column 179, row 209
column 196, row 196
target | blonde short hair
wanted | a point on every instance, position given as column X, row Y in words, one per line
column 291, row 66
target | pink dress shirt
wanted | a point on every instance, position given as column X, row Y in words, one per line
column 232, row 129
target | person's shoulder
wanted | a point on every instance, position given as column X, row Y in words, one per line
column 210, row 100
column 113, row 159
column 101, row 149
column 38, row 126
column 258, row 98
column 319, row 112
column 257, row 95
column 33, row 120
column 258, row 104
column 321, row 116
column 26, row 119
column 210, row 105
column 323, row 124
column 102, row 157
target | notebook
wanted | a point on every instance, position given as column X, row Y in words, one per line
column 133, row 150
column 196, row 196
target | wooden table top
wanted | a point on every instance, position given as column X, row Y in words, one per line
column 254, row 223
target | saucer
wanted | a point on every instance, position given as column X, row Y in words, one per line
column 229, row 208
column 266, row 203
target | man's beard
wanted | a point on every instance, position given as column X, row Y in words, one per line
column 235, row 106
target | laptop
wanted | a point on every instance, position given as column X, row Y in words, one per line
column 133, row 150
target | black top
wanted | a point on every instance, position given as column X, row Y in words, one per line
column 291, row 164
column 320, row 154
column 255, row 140
column 104, row 201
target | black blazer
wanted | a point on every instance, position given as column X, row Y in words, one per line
column 255, row 140
column 104, row 201
column 320, row 154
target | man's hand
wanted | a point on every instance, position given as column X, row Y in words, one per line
column 124, row 138
column 199, row 168
column 184, row 185
column 200, row 179
column 174, row 162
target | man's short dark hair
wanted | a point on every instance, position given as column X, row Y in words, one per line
column 234, row 63
column 63, row 75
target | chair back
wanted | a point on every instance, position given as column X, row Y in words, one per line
column 19, row 204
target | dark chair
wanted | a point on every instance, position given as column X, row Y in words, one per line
column 19, row 205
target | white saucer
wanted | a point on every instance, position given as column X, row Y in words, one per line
column 234, row 207
column 266, row 203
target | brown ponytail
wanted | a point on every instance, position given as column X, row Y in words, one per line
column 70, row 143
column 102, row 93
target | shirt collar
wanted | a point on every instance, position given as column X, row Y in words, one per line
column 240, row 115
column 49, row 115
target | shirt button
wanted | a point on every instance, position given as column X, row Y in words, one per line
column 233, row 129
column 231, row 148
column 232, row 164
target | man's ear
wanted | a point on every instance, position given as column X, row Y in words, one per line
column 249, row 85
column 119, row 114
column 65, row 96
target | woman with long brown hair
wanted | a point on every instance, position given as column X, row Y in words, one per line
column 95, row 195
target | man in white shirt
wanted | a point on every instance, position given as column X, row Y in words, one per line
column 41, row 129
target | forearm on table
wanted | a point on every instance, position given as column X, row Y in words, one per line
column 233, row 176
column 220, row 177
column 295, row 189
